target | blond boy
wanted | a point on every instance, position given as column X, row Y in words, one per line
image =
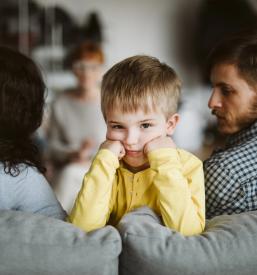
column 139, row 163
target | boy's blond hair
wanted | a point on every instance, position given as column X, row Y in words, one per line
column 140, row 82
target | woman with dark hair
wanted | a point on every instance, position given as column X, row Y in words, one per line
column 22, row 184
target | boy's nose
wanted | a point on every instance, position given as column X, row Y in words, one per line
column 131, row 138
column 215, row 100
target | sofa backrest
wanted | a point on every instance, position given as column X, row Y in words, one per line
column 32, row 244
column 228, row 246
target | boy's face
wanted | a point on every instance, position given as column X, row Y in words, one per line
column 134, row 130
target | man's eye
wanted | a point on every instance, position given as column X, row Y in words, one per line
column 145, row 125
column 226, row 91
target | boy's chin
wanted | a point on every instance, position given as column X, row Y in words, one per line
column 135, row 167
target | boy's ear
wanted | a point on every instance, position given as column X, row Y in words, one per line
column 172, row 123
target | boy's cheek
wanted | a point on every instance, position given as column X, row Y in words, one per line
column 154, row 142
column 147, row 145
column 154, row 137
column 113, row 136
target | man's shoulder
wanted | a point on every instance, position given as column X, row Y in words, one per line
column 240, row 158
column 247, row 149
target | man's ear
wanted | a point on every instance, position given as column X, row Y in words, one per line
column 172, row 123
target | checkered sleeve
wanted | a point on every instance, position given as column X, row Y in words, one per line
column 231, row 175
column 224, row 193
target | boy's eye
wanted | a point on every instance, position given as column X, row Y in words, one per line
column 116, row 126
column 145, row 125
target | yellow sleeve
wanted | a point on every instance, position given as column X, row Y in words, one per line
column 93, row 205
column 179, row 181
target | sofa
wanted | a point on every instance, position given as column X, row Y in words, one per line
column 32, row 244
column 228, row 246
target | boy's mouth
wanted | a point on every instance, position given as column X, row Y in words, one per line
column 133, row 153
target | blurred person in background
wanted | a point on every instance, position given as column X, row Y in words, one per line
column 23, row 186
column 230, row 172
column 76, row 125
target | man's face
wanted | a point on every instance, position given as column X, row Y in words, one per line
column 134, row 130
column 232, row 99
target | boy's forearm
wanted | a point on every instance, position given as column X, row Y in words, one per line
column 92, row 207
column 181, row 193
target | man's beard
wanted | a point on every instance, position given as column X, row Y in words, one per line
column 241, row 122
column 251, row 115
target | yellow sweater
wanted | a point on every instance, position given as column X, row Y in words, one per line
column 173, row 186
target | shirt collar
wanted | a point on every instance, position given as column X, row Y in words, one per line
column 243, row 135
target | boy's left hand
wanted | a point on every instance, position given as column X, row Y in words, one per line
column 159, row 142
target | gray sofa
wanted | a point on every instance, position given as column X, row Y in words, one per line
column 32, row 244
column 228, row 246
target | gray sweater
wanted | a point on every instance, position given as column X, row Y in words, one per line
column 71, row 122
column 29, row 192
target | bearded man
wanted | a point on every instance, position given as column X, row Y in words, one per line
column 231, row 172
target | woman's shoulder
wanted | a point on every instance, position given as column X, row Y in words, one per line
column 21, row 183
column 22, row 173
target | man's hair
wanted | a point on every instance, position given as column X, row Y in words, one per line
column 140, row 82
column 239, row 50
column 22, row 98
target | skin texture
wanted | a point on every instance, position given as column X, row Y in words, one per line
column 232, row 99
column 131, row 136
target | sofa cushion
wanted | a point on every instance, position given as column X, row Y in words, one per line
column 35, row 244
column 227, row 246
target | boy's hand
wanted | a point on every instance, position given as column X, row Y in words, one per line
column 114, row 146
column 159, row 142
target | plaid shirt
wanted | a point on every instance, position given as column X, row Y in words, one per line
column 231, row 175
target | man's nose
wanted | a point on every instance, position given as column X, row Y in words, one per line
column 215, row 100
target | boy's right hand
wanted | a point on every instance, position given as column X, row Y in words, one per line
column 114, row 146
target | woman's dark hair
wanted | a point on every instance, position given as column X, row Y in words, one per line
column 22, row 96
column 239, row 50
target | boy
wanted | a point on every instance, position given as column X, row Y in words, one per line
column 139, row 164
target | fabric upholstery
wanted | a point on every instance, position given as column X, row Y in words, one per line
column 227, row 246
column 34, row 244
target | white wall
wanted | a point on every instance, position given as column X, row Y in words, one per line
column 153, row 27
column 137, row 26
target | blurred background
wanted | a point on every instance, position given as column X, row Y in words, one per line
column 178, row 32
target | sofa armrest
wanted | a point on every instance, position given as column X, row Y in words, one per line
column 227, row 246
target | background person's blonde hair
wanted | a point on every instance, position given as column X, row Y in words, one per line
column 140, row 82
